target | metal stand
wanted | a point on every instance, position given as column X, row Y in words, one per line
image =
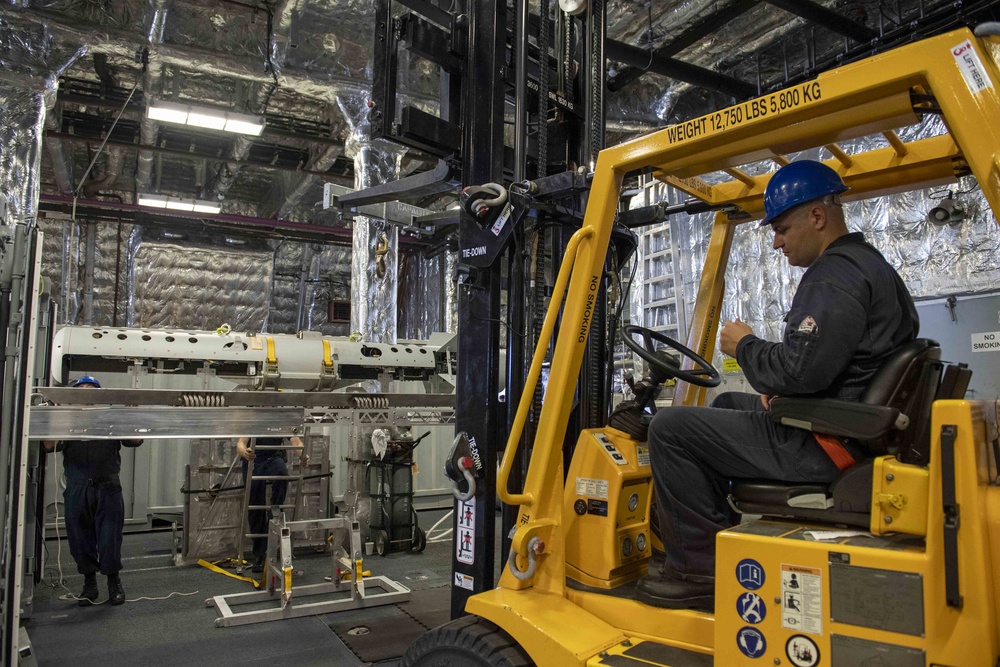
column 347, row 589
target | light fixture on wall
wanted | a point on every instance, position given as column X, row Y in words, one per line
column 179, row 204
column 212, row 119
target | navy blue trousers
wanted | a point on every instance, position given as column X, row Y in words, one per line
column 695, row 451
column 95, row 517
column 258, row 519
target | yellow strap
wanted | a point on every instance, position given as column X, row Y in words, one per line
column 271, row 359
column 215, row 568
column 327, row 361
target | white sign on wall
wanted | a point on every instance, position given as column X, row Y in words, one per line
column 986, row 342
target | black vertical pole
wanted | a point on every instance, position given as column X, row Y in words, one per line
column 594, row 372
column 477, row 411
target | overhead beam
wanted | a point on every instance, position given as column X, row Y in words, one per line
column 103, row 209
column 678, row 69
column 928, row 163
column 189, row 155
column 704, row 27
column 827, row 18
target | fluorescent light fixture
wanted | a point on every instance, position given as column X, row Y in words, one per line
column 179, row 203
column 207, row 120
column 153, row 201
column 212, row 119
column 168, row 112
column 241, row 124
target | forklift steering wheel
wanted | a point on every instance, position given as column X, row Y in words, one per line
column 703, row 375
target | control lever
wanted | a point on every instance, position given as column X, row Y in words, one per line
column 463, row 466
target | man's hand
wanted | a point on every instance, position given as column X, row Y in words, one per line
column 241, row 449
column 732, row 333
column 765, row 400
column 297, row 442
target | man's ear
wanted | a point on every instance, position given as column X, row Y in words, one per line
column 818, row 217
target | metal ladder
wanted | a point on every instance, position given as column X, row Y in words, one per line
column 244, row 526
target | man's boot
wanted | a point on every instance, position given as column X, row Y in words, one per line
column 88, row 596
column 664, row 590
column 116, row 592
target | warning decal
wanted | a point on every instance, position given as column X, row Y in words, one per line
column 643, row 453
column 465, row 540
column 802, row 599
column 802, row 651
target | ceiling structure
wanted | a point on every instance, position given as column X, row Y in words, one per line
column 305, row 66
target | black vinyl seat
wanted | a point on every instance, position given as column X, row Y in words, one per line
column 892, row 417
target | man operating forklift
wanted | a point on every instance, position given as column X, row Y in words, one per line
column 851, row 311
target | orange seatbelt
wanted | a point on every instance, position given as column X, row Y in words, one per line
column 835, row 449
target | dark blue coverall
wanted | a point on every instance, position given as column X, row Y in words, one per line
column 266, row 462
column 850, row 312
column 95, row 509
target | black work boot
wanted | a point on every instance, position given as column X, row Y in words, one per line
column 88, row 596
column 663, row 590
column 258, row 564
column 116, row 592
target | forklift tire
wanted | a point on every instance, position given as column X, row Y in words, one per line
column 381, row 542
column 419, row 539
column 469, row 641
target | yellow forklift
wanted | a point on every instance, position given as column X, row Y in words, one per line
column 917, row 588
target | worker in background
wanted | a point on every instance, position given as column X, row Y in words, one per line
column 266, row 462
column 851, row 311
column 95, row 509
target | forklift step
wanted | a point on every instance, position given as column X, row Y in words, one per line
column 645, row 653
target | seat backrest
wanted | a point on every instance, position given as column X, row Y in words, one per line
column 907, row 381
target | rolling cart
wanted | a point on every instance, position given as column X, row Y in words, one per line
column 393, row 525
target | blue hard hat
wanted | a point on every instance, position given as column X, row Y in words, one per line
column 87, row 379
column 798, row 183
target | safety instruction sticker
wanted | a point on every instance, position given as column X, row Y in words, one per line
column 802, row 651
column 751, row 642
column 751, row 608
column 643, row 455
column 802, row 599
column 464, row 581
column 750, row 574
column 592, row 488
column 612, row 451
column 465, row 544
column 971, row 67
column 986, row 342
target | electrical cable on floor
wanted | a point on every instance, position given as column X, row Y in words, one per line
column 443, row 536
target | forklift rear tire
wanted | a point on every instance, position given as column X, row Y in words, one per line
column 419, row 539
column 468, row 641
column 381, row 542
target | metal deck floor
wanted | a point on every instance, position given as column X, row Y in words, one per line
column 181, row 629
